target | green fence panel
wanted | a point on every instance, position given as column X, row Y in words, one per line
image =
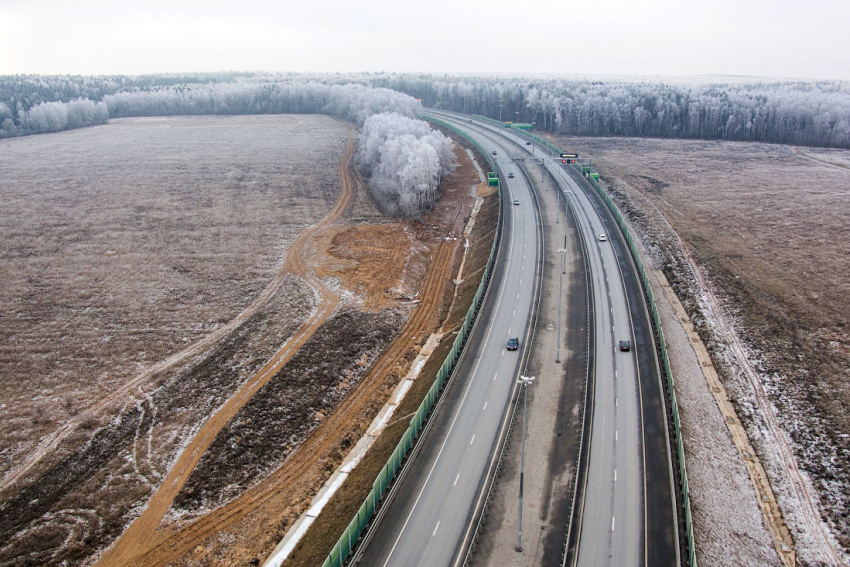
column 346, row 541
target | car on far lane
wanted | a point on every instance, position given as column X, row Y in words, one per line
column 603, row 238
column 625, row 346
column 494, row 152
column 513, row 343
column 511, row 175
column 516, row 201
column 528, row 143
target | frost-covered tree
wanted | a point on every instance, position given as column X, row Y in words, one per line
column 405, row 160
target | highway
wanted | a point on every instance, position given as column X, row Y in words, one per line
column 626, row 514
column 428, row 519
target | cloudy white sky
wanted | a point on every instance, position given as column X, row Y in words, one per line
column 776, row 38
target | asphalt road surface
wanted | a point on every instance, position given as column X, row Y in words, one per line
column 626, row 516
column 426, row 522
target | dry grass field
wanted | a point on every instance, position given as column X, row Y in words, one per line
column 200, row 316
column 767, row 224
column 121, row 246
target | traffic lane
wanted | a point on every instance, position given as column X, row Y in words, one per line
column 660, row 518
column 470, row 448
column 659, row 515
column 386, row 539
column 442, row 478
column 613, row 489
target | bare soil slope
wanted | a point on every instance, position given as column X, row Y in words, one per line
column 766, row 227
column 298, row 455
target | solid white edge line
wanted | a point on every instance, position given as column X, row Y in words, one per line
column 454, row 420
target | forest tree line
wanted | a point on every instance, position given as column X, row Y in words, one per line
column 812, row 113
column 403, row 158
column 815, row 113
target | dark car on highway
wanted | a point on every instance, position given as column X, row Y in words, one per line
column 625, row 346
column 513, row 343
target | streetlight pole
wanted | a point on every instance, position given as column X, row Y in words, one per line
column 516, row 129
column 525, row 382
column 562, row 252
column 500, row 120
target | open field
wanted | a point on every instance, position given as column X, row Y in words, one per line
column 291, row 341
column 251, row 524
column 766, row 227
column 143, row 253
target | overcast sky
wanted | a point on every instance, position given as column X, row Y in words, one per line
column 774, row 38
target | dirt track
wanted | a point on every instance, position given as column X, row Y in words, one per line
column 274, row 503
column 293, row 265
column 141, row 533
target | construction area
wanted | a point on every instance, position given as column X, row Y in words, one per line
column 210, row 451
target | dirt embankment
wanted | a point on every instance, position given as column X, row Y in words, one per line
column 389, row 265
column 738, row 229
column 455, row 301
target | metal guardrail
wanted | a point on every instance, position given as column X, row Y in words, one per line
column 352, row 533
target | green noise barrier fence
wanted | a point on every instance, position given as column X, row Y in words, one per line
column 592, row 176
column 343, row 547
column 665, row 361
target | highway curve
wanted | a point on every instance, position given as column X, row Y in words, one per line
column 150, row 545
column 427, row 522
column 626, row 515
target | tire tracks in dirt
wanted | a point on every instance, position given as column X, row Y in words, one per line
column 294, row 264
column 304, row 471
column 138, row 537
column 823, row 161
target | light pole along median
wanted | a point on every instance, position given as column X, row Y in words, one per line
column 525, row 382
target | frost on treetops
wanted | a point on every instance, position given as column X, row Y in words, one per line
column 406, row 160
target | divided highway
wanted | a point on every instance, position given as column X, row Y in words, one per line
column 626, row 515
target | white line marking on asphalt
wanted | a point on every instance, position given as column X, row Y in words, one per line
column 616, row 435
column 514, row 311
column 457, row 477
column 435, row 529
column 612, row 524
column 503, row 354
column 517, row 296
column 617, row 402
column 520, row 281
column 497, row 375
column 615, row 475
column 451, row 428
column 471, row 441
column 485, row 407
column 615, row 373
